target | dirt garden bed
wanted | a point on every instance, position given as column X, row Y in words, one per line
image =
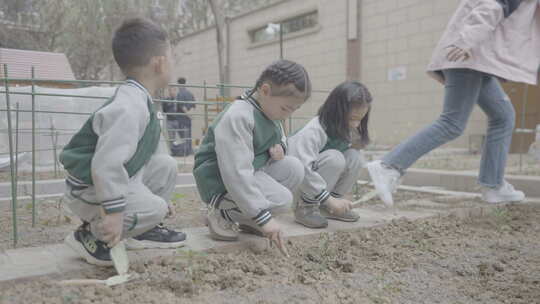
column 490, row 259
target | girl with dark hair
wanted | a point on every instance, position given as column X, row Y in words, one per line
column 328, row 148
column 241, row 169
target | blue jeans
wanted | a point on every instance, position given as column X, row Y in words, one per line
column 463, row 89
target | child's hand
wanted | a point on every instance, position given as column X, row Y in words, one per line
column 457, row 54
column 111, row 228
column 272, row 231
column 338, row 206
column 276, row 152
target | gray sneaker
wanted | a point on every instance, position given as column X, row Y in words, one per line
column 349, row 216
column 220, row 228
column 309, row 215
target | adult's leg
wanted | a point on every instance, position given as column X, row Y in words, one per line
column 501, row 121
column 184, row 132
column 171, row 127
column 189, row 139
column 462, row 90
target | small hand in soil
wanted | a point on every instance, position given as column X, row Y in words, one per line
column 273, row 232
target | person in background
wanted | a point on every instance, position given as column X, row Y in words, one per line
column 184, row 147
column 170, row 108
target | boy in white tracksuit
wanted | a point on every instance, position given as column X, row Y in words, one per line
column 118, row 182
column 241, row 169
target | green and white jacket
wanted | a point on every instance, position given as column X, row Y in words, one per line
column 306, row 145
column 235, row 146
column 113, row 145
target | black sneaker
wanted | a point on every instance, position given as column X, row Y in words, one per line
column 91, row 249
column 159, row 237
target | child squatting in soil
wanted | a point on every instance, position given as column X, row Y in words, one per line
column 120, row 179
column 328, row 148
column 241, row 169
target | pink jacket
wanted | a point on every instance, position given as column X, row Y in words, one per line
column 505, row 46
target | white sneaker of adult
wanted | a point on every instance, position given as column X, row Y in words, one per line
column 385, row 180
column 505, row 193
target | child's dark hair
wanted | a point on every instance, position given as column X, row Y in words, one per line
column 282, row 73
column 136, row 41
column 334, row 113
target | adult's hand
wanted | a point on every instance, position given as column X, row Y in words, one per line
column 457, row 54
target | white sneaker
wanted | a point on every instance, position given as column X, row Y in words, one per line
column 385, row 180
column 505, row 193
column 220, row 228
